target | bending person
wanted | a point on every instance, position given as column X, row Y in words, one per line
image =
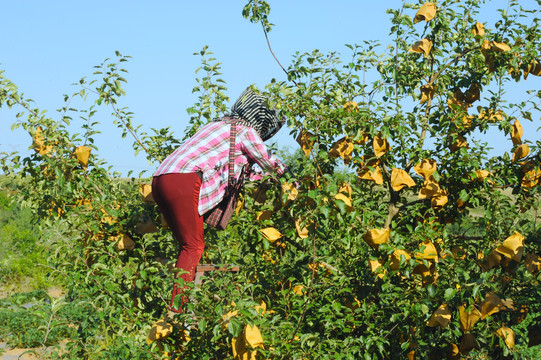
column 193, row 179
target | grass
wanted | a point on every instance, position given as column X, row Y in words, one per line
column 23, row 257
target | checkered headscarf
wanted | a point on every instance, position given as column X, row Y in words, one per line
column 251, row 109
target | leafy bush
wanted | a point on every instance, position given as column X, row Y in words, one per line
column 22, row 253
column 26, row 321
column 403, row 240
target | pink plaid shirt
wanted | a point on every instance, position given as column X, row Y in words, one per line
column 208, row 152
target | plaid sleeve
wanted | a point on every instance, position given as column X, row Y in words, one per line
column 256, row 150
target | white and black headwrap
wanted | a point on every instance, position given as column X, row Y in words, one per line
column 251, row 109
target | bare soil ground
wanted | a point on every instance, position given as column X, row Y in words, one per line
column 27, row 354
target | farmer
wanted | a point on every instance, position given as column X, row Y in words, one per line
column 193, row 179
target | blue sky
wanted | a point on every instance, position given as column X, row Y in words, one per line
column 49, row 45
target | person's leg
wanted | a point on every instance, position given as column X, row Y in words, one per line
column 177, row 196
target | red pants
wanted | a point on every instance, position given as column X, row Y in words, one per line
column 177, row 196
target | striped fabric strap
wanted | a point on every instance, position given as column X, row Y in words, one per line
column 232, row 140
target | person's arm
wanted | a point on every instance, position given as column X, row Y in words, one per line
column 256, row 150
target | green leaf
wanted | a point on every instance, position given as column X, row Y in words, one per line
column 341, row 205
column 449, row 294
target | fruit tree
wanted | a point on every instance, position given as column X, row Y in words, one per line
column 406, row 237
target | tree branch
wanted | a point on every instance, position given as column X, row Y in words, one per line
column 270, row 48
